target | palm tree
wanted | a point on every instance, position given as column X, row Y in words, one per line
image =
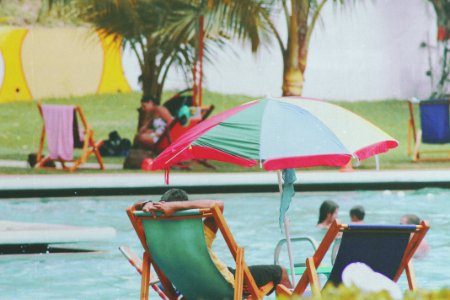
column 144, row 26
column 301, row 17
column 163, row 33
column 252, row 24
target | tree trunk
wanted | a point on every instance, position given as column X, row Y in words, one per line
column 292, row 58
column 150, row 87
column 302, row 32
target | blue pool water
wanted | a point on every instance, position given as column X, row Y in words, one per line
column 253, row 219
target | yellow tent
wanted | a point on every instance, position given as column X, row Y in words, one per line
column 58, row 62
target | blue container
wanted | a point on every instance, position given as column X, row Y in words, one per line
column 434, row 116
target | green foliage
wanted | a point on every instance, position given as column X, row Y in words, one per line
column 33, row 12
column 352, row 293
column 442, row 9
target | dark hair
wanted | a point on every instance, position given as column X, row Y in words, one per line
column 358, row 212
column 412, row 219
column 327, row 207
column 175, row 195
column 147, row 98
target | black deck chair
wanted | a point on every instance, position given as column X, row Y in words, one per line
column 387, row 249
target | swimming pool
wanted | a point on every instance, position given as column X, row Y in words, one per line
column 252, row 218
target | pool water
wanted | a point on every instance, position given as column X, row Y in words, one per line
column 252, row 218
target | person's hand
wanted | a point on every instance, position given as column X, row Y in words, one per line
column 149, row 207
column 139, row 205
column 167, row 208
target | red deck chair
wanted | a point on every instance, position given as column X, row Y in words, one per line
column 177, row 129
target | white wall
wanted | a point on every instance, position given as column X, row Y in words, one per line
column 372, row 51
column 366, row 50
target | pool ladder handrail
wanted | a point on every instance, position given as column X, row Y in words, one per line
column 281, row 242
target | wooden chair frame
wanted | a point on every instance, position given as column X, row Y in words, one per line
column 242, row 274
column 312, row 263
column 90, row 146
column 415, row 140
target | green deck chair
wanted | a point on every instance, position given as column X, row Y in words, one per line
column 175, row 247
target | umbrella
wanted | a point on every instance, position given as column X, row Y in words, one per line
column 280, row 133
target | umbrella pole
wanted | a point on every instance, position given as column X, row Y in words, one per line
column 287, row 235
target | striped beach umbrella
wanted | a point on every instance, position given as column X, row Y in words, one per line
column 280, row 133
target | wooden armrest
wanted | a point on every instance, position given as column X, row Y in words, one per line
column 283, row 291
column 266, row 288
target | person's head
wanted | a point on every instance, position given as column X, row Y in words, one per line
column 410, row 219
column 148, row 103
column 357, row 213
column 174, row 195
column 328, row 211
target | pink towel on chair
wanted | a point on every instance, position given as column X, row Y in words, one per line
column 58, row 121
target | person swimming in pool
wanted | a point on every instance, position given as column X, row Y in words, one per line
column 328, row 212
column 423, row 248
column 357, row 214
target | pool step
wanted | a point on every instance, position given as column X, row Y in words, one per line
column 33, row 238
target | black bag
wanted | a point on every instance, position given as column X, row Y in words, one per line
column 124, row 147
column 115, row 145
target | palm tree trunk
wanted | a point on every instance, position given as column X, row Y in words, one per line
column 150, row 87
column 296, row 55
column 292, row 71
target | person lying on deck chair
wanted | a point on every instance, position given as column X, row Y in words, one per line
column 176, row 199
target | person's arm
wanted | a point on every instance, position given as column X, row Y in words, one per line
column 164, row 113
column 145, row 127
column 141, row 205
column 168, row 208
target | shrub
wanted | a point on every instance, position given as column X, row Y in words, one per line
column 353, row 293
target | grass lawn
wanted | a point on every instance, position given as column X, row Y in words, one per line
column 21, row 125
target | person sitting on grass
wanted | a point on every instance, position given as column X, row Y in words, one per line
column 154, row 126
column 177, row 199
column 357, row 214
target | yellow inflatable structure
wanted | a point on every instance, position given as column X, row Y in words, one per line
column 40, row 63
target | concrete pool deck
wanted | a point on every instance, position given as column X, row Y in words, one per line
column 78, row 184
